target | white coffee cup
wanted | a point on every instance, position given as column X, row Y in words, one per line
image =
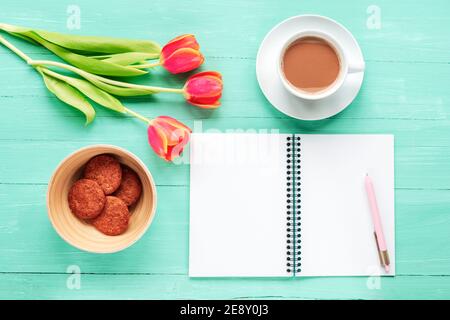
column 346, row 66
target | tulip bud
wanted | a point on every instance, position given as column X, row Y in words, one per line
column 181, row 54
column 167, row 136
column 204, row 89
column 183, row 41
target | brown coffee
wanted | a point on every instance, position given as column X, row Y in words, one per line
column 311, row 64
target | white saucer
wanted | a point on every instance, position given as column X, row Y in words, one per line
column 271, row 85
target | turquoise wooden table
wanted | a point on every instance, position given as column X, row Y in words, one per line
column 405, row 92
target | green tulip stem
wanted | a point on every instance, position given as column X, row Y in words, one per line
column 85, row 74
column 139, row 116
column 14, row 49
column 147, row 65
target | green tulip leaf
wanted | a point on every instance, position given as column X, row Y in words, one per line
column 89, row 64
column 86, row 63
column 119, row 91
column 89, row 90
column 93, row 44
column 129, row 58
column 18, row 35
column 69, row 95
column 100, row 44
column 13, row 29
column 113, row 89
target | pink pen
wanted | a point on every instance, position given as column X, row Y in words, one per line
column 379, row 236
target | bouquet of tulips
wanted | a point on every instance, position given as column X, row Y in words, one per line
column 95, row 59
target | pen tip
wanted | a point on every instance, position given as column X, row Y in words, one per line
column 386, row 267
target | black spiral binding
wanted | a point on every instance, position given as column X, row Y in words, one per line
column 290, row 206
column 298, row 205
column 293, row 205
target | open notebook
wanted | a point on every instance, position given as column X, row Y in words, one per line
column 282, row 205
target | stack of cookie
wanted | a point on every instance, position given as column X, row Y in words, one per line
column 104, row 194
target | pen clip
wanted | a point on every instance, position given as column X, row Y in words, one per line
column 383, row 255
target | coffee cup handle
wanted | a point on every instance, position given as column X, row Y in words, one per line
column 356, row 67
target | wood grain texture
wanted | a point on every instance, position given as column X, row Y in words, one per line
column 166, row 286
column 405, row 92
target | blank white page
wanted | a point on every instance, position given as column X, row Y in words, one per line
column 337, row 231
column 237, row 205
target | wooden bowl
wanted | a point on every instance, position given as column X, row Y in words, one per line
column 81, row 234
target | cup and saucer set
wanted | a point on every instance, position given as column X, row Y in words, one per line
column 287, row 97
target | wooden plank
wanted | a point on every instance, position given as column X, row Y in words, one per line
column 410, row 31
column 33, row 162
column 399, row 96
column 154, row 286
column 422, row 236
